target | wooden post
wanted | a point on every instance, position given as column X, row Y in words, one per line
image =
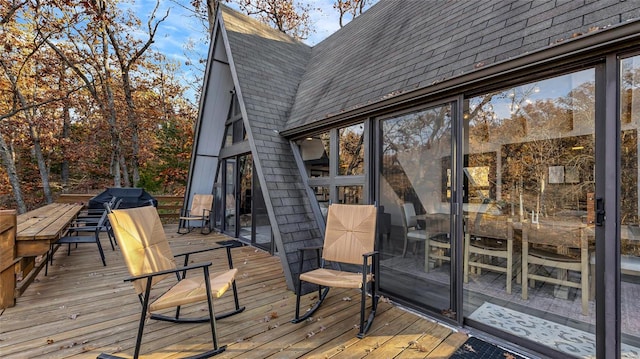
column 8, row 259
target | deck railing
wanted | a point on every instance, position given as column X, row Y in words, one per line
column 168, row 206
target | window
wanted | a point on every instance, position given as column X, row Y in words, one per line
column 351, row 150
column 234, row 127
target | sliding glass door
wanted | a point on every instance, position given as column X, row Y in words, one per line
column 629, row 239
column 240, row 209
column 415, row 190
column 529, row 183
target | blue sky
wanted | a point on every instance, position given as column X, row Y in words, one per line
column 181, row 31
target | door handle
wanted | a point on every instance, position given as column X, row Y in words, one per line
column 599, row 211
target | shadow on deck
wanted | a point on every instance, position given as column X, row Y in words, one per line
column 82, row 309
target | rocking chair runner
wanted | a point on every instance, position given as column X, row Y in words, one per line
column 149, row 259
column 349, row 238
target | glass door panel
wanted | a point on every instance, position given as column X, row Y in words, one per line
column 630, row 207
column 230, row 197
column 245, row 176
column 262, row 237
column 529, row 162
column 415, row 196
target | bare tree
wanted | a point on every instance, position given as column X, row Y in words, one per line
column 351, row 7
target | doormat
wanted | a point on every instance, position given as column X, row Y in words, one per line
column 475, row 348
column 231, row 243
column 557, row 336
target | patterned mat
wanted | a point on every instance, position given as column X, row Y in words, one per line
column 557, row 336
column 475, row 348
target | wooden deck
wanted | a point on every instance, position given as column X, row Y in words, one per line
column 82, row 309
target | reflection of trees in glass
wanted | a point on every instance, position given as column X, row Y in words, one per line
column 246, row 174
column 534, row 131
column 629, row 178
column 351, row 150
column 630, row 90
column 350, row 194
column 413, row 146
column 629, row 117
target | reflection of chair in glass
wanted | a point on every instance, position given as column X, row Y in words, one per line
column 349, row 238
column 200, row 211
column 436, row 241
column 489, row 237
column 151, row 264
column 561, row 248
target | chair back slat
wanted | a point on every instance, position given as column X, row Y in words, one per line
column 201, row 203
column 142, row 241
column 409, row 212
column 350, row 232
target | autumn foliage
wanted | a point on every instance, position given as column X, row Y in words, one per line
column 86, row 103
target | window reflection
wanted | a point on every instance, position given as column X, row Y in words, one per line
column 414, row 188
column 351, row 150
column 629, row 201
column 542, row 135
column 529, row 161
column 350, row 195
column 315, row 154
column 234, row 128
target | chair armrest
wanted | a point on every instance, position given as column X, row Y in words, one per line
column 370, row 254
column 200, row 251
column 301, row 251
column 169, row 271
column 187, row 254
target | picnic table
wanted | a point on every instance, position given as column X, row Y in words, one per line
column 37, row 231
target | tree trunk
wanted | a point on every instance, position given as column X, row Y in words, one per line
column 10, row 167
column 64, row 170
column 125, row 171
column 42, row 166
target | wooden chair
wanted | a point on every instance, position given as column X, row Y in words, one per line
column 200, row 210
column 560, row 247
column 436, row 241
column 150, row 262
column 349, row 238
column 488, row 237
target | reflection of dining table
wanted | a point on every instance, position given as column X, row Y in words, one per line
column 38, row 229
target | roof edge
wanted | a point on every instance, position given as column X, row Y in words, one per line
column 588, row 46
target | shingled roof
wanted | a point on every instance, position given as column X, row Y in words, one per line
column 269, row 65
column 398, row 46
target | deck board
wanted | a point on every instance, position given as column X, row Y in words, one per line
column 82, row 309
